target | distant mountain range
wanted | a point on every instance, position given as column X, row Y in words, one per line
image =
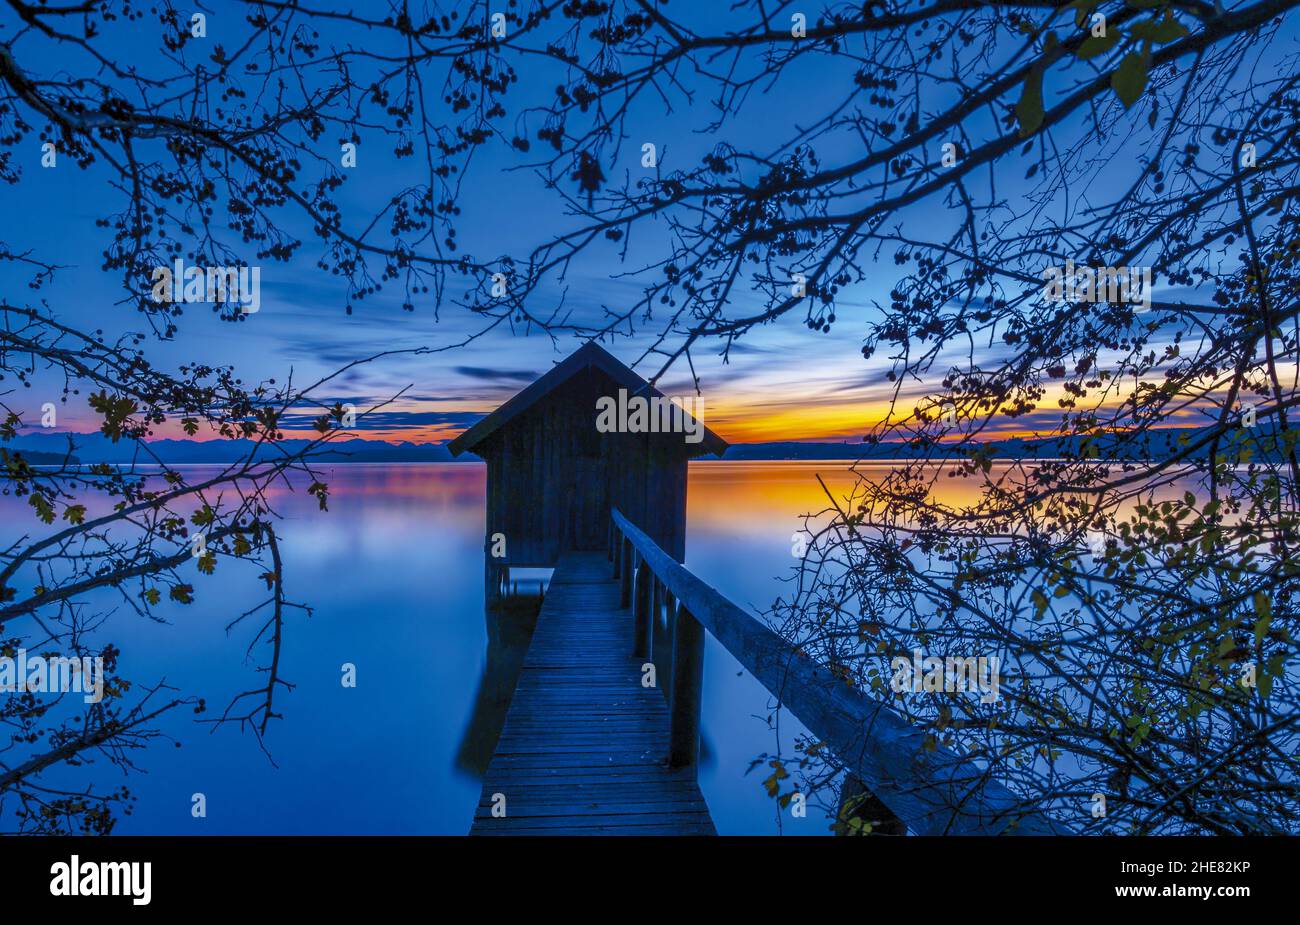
column 52, row 448
column 1155, row 445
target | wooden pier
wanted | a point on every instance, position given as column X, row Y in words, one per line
column 584, row 746
column 587, row 749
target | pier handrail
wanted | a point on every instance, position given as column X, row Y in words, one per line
column 933, row 791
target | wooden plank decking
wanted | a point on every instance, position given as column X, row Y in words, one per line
column 583, row 748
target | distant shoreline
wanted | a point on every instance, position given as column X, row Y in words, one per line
column 51, row 449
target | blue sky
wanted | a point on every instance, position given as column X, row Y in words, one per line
column 782, row 382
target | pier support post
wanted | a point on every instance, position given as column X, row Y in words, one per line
column 688, row 684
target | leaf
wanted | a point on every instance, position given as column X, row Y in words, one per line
column 1029, row 110
column 1263, row 610
column 773, row 781
column 1130, row 78
column 183, row 594
column 1161, row 33
column 44, row 510
column 1040, row 603
column 74, row 513
column 322, row 493
column 1095, row 45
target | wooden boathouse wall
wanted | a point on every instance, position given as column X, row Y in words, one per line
column 553, row 478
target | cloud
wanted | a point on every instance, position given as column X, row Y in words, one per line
column 495, row 375
column 393, row 420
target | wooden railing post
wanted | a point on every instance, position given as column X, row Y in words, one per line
column 492, row 582
column 616, row 553
column 670, row 637
column 931, row 790
column 644, row 629
column 625, row 578
column 609, row 542
column 654, row 641
column 688, row 685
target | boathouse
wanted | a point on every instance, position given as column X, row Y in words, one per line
column 553, row 474
column 579, row 480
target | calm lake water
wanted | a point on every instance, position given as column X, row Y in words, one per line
column 394, row 574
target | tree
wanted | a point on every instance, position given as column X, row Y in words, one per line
column 971, row 149
column 136, row 531
column 1141, row 156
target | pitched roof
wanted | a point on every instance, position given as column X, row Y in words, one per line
column 588, row 355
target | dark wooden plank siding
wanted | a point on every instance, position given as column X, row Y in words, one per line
column 552, row 477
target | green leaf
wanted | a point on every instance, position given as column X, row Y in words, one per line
column 1095, row 45
column 1130, row 78
column 1263, row 610
column 773, row 782
column 1029, row 110
column 44, row 510
column 1081, row 8
column 1161, row 33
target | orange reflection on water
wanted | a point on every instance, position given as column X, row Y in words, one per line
column 750, row 495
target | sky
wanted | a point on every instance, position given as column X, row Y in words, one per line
column 781, row 382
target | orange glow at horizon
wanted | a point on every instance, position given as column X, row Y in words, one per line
column 819, row 412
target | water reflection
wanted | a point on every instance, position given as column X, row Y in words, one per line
column 509, row 630
column 394, row 574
